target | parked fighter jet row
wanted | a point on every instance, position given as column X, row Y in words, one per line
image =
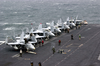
column 30, row 39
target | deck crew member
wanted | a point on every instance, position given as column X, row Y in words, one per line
column 30, row 37
column 72, row 37
column 20, row 52
column 39, row 41
column 53, row 49
column 67, row 30
column 59, row 42
column 31, row 63
column 79, row 26
column 79, row 37
column 26, row 41
column 76, row 27
column 39, row 64
column 42, row 42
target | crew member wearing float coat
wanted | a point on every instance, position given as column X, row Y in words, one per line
column 42, row 42
column 59, row 42
column 53, row 49
column 20, row 52
column 72, row 37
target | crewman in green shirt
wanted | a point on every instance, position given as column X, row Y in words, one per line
column 79, row 37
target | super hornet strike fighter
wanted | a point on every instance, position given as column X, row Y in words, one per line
column 42, row 32
column 31, row 37
column 61, row 25
column 53, row 28
column 21, row 43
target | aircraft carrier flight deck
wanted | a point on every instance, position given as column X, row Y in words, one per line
column 84, row 52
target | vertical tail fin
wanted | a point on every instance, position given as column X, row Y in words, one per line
column 6, row 41
column 60, row 21
column 13, row 37
column 33, row 38
column 27, row 30
column 74, row 21
column 52, row 24
column 52, row 29
column 40, row 27
column 44, row 33
column 46, row 25
column 22, row 36
column 62, row 26
column 13, row 33
column 76, row 17
column 31, row 31
column 68, row 20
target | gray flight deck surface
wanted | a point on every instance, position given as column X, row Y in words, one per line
column 84, row 52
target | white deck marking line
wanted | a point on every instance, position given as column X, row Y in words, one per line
column 80, row 45
column 48, row 58
column 69, row 45
column 70, row 40
column 66, row 57
column 26, row 58
column 16, row 55
column 93, row 51
column 31, row 52
column 77, row 49
column 64, row 44
column 69, row 50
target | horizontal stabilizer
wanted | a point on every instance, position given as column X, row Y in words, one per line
column 2, row 41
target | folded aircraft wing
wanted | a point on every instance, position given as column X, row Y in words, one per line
column 37, row 36
column 32, row 42
column 38, row 31
column 15, row 43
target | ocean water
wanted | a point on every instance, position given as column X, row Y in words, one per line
column 18, row 14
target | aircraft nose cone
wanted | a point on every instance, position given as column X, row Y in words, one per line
column 68, row 27
column 30, row 46
column 73, row 24
column 51, row 34
column 59, row 30
column 34, row 48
